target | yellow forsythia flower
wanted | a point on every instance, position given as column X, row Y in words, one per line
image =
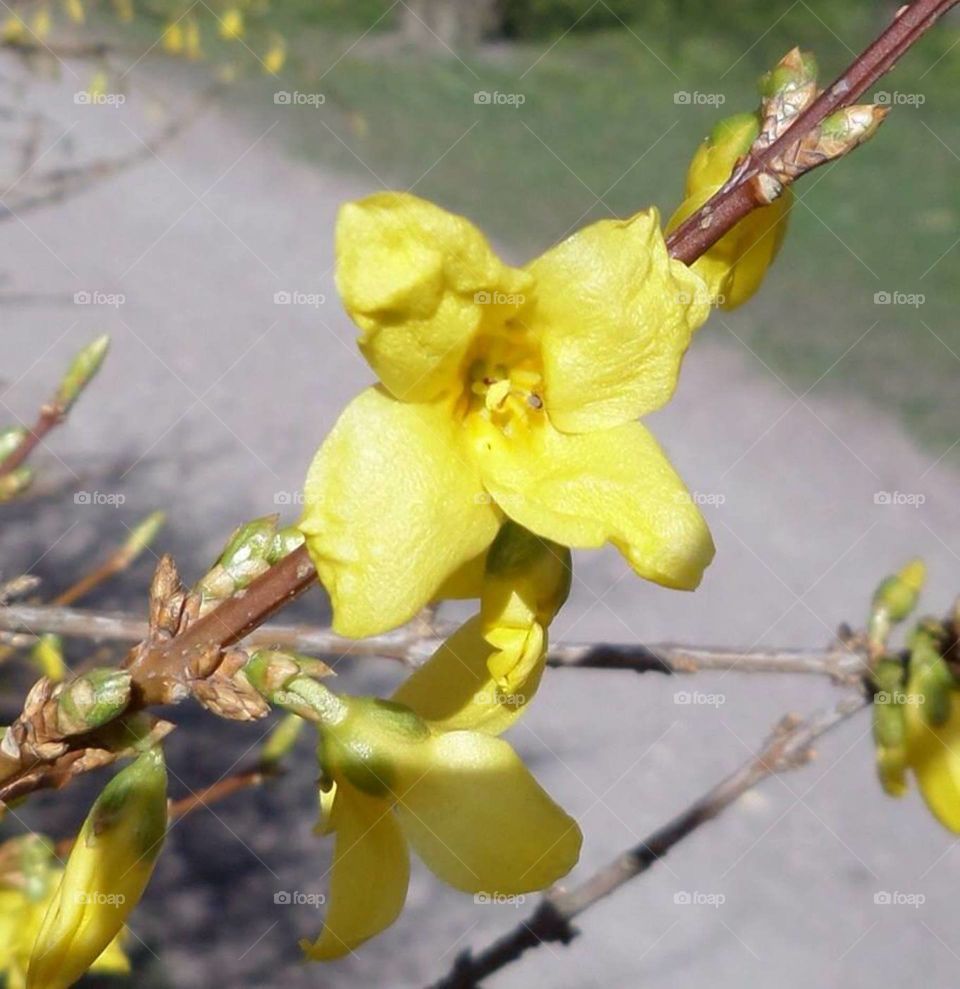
column 41, row 23
column 734, row 267
column 14, row 29
column 192, row 45
column 276, row 56
column 231, row 24
column 108, row 869
column 75, row 11
column 24, row 899
column 484, row 675
column 462, row 799
column 172, row 40
column 931, row 713
column 124, row 10
column 505, row 393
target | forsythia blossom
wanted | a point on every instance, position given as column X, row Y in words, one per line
column 108, row 869
column 505, row 393
column 390, row 779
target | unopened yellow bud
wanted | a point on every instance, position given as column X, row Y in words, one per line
column 48, row 655
column 14, row 30
column 192, row 45
column 108, row 869
column 75, row 11
column 281, row 740
column 275, row 57
column 231, row 24
column 172, row 40
column 15, row 483
column 41, row 23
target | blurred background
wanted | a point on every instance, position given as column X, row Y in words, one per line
column 192, row 220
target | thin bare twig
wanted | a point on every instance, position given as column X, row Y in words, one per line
column 790, row 746
column 413, row 644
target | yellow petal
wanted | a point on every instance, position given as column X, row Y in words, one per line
column 734, row 267
column 393, row 508
column 614, row 485
column 114, row 959
column 934, row 756
column 481, row 822
column 456, row 690
column 419, row 282
column 370, row 873
column 616, row 314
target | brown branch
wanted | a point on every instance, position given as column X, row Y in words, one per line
column 158, row 667
column 412, row 644
column 289, row 579
column 790, row 746
column 740, row 196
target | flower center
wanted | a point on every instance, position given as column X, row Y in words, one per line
column 504, row 381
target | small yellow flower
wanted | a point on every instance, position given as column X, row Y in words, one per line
column 26, row 892
column 108, row 869
column 172, row 40
column 75, row 11
column 734, row 267
column 276, row 56
column 504, row 392
column 462, row 799
column 41, row 23
column 14, row 30
column 231, row 24
column 931, row 712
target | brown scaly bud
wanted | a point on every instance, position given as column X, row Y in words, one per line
column 836, row 136
column 786, row 91
column 228, row 693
